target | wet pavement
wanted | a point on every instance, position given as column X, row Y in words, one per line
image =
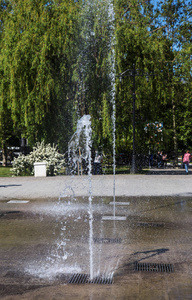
column 46, row 239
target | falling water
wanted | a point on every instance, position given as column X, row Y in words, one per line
column 81, row 143
column 112, row 75
column 82, row 139
column 88, row 133
column 85, row 122
column 111, row 18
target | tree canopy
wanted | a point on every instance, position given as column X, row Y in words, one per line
column 56, row 61
column 37, row 46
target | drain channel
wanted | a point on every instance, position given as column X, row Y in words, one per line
column 150, row 267
column 2, row 214
column 145, row 224
column 84, row 279
column 107, row 240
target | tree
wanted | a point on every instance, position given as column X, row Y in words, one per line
column 57, row 63
column 156, row 42
column 176, row 16
column 92, row 72
column 136, row 44
column 36, row 50
column 6, row 123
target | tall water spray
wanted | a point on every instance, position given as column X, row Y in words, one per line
column 111, row 18
column 80, row 148
column 91, row 8
column 106, row 12
column 88, row 133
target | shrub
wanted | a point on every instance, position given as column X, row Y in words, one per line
column 24, row 164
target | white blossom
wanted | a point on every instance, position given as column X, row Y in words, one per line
column 24, row 164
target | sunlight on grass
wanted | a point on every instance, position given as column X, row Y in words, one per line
column 5, row 172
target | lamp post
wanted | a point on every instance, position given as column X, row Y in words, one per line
column 134, row 72
column 133, row 169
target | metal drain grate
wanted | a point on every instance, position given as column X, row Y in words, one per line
column 12, row 212
column 5, row 213
column 145, row 224
column 150, row 267
column 84, row 279
column 107, row 240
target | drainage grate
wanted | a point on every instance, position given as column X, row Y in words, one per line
column 107, row 240
column 150, row 267
column 84, row 279
column 2, row 214
column 144, row 224
column 12, row 212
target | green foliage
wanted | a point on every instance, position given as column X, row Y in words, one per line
column 55, row 63
column 92, row 70
column 157, row 42
column 24, row 165
column 35, row 52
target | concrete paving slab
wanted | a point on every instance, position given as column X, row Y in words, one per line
column 102, row 185
column 46, row 240
column 43, row 243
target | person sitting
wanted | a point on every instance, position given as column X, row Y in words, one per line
column 159, row 159
column 164, row 158
column 97, row 163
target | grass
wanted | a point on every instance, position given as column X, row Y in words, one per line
column 118, row 170
column 5, row 172
column 123, row 170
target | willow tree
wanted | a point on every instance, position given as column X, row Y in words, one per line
column 92, row 72
column 6, row 124
column 37, row 47
column 155, row 40
column 184, row 118
column 175, row 16
column 136, row 44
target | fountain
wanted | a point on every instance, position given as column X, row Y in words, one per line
column 111, row 19
column 79, row 163
column 79, row 149
column 79, row 158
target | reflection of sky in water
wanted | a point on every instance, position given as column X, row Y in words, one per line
column 49, row 271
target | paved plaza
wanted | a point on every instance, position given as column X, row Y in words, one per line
column 45, row 236
column 156, row 183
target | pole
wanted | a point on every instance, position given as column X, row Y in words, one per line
column 133, row 169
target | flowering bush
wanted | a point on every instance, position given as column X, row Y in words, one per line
column 24, row 164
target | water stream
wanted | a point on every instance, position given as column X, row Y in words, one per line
column 80, row 148
column 85, row 120
column 80, row 144
column 111, row 19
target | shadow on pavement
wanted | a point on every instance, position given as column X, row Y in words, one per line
column 10, row 185
column 167, row 172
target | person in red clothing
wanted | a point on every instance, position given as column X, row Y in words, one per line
column 186, row 160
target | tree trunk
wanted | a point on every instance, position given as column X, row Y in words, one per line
column 4, row 153
column 175, row 163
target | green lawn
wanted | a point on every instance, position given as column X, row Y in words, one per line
column 5, row 172
column 118, row 170
column 122, row 170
